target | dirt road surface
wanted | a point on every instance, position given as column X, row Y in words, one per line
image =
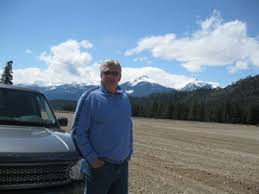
column 192, row 157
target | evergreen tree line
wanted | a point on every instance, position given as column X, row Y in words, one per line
column 7, row 77
column 237, row 103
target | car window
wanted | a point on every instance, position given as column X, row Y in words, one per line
column 23, row 107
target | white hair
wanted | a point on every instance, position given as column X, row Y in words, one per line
column 110, row 63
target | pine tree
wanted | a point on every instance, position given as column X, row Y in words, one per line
column 7, row 76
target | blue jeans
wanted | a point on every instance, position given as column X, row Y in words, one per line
column 108, row 179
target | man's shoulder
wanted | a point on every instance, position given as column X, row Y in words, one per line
column 90, row 92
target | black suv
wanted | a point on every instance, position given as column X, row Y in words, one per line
column 36, row 155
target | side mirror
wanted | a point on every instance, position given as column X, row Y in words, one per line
column 62, row 121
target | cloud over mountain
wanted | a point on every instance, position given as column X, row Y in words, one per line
column 71, row 62
column 67, row 62
column 70, row 56
column 215, row 43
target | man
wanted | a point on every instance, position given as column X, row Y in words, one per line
column 102, row 131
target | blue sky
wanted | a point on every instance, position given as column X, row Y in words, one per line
column 173, row 42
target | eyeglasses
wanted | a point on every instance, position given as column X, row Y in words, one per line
column 113, row 73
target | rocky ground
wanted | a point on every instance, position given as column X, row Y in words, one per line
column 193, row 157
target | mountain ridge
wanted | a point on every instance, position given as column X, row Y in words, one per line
column 139, row 87
column 236, row 103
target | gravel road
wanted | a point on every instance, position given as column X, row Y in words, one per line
column 192, row 157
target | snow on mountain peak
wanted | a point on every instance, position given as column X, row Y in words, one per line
column 203, row 83
column 129, row 91
column 196, row 84
column 140, row 79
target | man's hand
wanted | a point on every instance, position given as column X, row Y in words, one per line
column 97, row 163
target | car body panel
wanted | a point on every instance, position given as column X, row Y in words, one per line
column 31, row 148
column 20, row 139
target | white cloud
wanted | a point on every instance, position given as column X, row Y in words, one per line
column 150, row 43
column 91, row 75
column 239, row 65
column 144, row 60
column 215, row 43
column 158, row 75
column 28, row 75
column 70, row 62
column 68, row 57
column 88, row 75
column 66, row 62
column 28, row 51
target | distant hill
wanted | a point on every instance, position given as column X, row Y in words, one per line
column 140, row 87
column 201, row 101
column 196, row 85
column 69, row 92
column 144, row 86
column 236, row 103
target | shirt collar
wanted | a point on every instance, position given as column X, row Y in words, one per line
column 118, row 91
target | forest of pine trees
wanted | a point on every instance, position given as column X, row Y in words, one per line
column 237, row 103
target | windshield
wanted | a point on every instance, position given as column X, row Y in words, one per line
column 25, row 108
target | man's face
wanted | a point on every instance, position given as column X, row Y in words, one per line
column 110, row 76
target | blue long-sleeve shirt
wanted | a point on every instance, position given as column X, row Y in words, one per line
column 103, row 126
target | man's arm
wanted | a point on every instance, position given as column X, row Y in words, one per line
column 81, row 123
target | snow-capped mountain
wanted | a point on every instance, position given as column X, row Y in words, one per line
column 62, row 92
column 196, row 84
column 139, row 87
column 141, row 79
column 144, row 86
